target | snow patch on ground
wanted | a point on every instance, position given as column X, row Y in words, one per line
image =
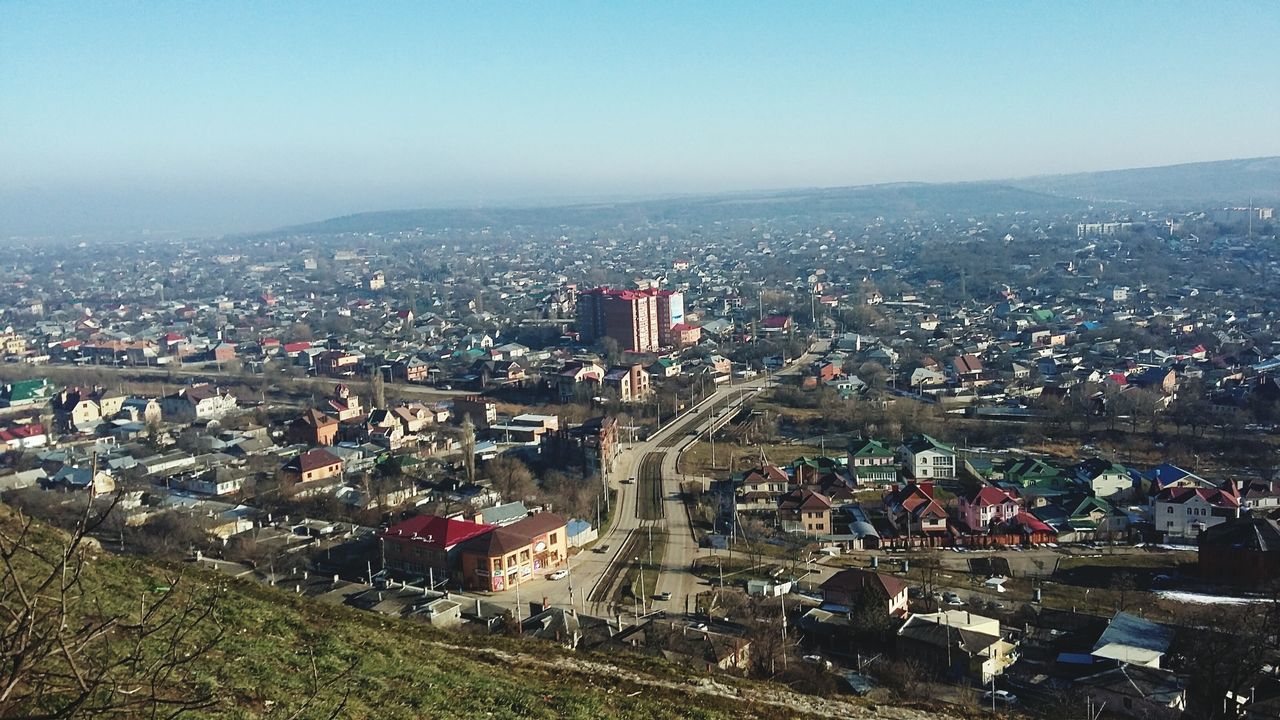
column 1205, row 599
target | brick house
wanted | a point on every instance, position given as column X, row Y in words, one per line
column 313, row 428
column 849, row 587
column 805, row 511
column 427, row 545
column 482, row 411
column 313, row 465
column 507, row 556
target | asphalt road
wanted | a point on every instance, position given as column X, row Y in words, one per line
column 588, row 569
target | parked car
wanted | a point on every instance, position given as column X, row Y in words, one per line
column 951, row 598
column 999, row 697
column 600, row 549
column 818, row 660
column 558, row 575
column 662, row 596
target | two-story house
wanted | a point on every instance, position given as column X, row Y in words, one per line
column 988, row 507
column 1182, row 513
column 870, row 462
column 1105, row 478
column 912, row 511
column 759, row 489
column 925, row 458
column 806, row 512
column 198, row 402
column 74, row 410
column 853, row 586
column 313, row 428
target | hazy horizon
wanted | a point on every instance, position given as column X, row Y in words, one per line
column 234, row 117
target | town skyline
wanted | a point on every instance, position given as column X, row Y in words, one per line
column 241, row 118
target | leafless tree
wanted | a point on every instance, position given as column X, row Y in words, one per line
column 469, row 447
column 65, row 651
column 510, row 477
column 378, row 388
column 1224, row 650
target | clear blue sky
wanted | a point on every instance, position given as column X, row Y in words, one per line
column 209, row 117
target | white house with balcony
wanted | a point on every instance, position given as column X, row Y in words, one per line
column 925, row 458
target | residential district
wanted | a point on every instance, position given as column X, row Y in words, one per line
column 1024, row 460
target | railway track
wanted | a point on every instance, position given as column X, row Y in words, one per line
column 604, row 588
column 679, row 435
column 649, row 488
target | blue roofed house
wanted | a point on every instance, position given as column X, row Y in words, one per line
column 580, row 533
column 1170, row 475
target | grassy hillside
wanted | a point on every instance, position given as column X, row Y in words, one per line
column 280, row 655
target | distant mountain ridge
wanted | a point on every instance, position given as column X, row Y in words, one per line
column 1235, row 182
column 1221, row 181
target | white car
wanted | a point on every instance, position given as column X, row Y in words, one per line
column 558, row 575
column 1000, row 697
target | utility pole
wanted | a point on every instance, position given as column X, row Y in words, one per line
column 711, row 434
column 519, row 622
column 784, row 631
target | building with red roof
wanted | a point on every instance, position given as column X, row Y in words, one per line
column 513, row 554
column 312, row 465
column 853, row 586
column 987, row 507
column 805, row 511
column 777, row 323
column 428, row 546
column 1182, row 513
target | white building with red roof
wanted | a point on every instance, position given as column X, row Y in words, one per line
column 1182, row 513
column 987, row 507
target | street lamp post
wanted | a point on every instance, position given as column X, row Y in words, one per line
column 640, row 592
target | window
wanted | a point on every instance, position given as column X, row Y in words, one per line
column 1170, row 509
column 553, row 539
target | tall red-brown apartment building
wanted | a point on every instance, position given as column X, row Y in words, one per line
column 638, row 319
